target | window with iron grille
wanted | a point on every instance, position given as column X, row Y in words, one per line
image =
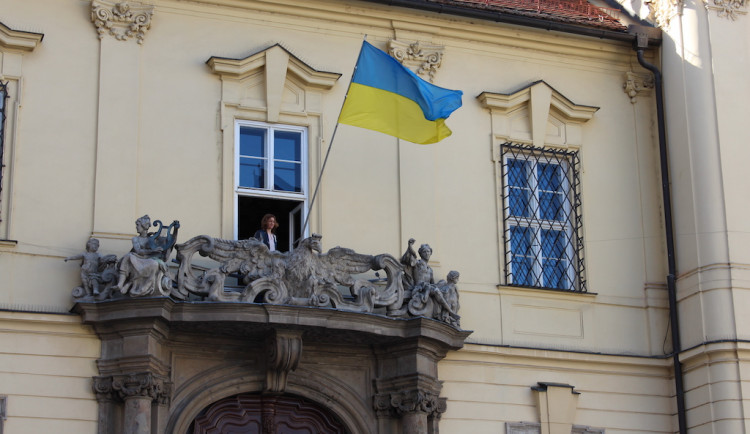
column 542, row 219
column 3, row 96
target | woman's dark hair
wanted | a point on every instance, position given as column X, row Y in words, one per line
column 265, row 220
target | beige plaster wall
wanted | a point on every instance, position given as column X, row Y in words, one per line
column 75, row 176
column 46, row 365
column 489, row 386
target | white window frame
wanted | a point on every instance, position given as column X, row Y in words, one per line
column 301, row 196
column 536, row 224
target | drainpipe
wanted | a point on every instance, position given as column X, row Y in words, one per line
column 641, row 43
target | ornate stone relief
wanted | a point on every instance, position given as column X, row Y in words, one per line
column 142, row 384
column 662, row 11
column 727, row 8
column 303, row 277
column 410, row 401
column 122, row 20
column 636, row 83
column 423, row 59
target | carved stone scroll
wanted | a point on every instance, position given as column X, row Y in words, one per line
column 123, row 20
column 284, row 351
column 423, row 59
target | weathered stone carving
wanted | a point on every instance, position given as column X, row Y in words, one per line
column 727, row 8
column 303, row 277
column 424, row 59
column 284, row 351
column 97, row 271
column 122, row 20
column 427, row 298
column 662, row 11
column 142, row 384
column 636, row 83
column 410, row 401
column 143, row 270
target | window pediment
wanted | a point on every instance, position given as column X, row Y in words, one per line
column 537, row 113
column 18, row 40
column 285, row 82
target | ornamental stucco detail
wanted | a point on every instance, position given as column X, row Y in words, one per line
column 637, row 83
column 423, row 59
column 123, row 20
column 731, row 9
column 410, row 401
column 662, row 11
column 304, row 276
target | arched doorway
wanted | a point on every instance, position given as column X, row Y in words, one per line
column 266, row 414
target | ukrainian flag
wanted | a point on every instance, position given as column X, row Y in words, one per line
column 385, row 96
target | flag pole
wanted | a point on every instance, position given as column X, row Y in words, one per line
column 330, row 144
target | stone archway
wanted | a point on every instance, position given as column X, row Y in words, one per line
column 262, row 414
column 164, row 361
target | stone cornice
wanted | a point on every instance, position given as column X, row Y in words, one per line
column 19, row 40
column 452, row 30
column 254, row 320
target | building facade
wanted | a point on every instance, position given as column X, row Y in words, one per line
column 547, row 197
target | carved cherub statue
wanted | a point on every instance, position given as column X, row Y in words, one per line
column 92, row 266
column 446, row 296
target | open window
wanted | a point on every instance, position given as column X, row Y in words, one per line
column 271, row 178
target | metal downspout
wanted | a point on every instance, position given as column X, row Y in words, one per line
column 641, row 43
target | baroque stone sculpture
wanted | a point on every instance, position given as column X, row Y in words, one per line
column 303, row 277
column 97, row 271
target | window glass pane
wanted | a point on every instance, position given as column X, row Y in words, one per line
column 551, row 207
column 521, row 267
column 522, row 256
column 553, row 243
column 520, row 240
column 287, row 176
column 287, row 145
column 518, row 173
column 252, row 172
column 518, row 202
column 550, row 176
column 550, row 191
column 252, row 142
column 554, row 273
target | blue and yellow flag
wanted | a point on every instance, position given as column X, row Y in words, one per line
column 387, row 97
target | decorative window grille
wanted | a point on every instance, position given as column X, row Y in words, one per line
column 542, row 229
column 3, row 97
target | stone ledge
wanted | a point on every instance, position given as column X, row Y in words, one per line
column 255, row 320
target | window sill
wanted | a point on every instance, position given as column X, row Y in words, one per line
column 523, row 290
column 8, row 243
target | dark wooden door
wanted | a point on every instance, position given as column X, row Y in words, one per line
column 258, row 414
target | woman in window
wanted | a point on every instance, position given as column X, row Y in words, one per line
column 267, row 231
